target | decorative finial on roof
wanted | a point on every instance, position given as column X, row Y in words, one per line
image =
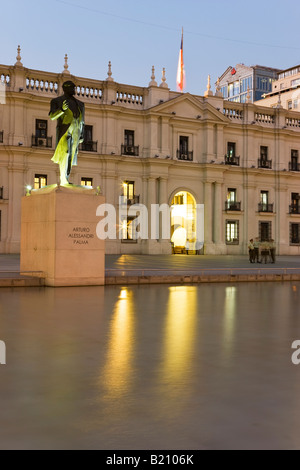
column 66, row 66
column 279, row 105
column 163, row 79
column 19, row 63
column 208, row 91
column 109, row 73
column 218, row 88
column 248, row 97
column 153, row 82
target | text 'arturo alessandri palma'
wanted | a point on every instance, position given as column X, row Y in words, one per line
column 81, row 235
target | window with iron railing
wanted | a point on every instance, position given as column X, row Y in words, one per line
column 293, row 164
column 294, row 234
column 88, row 145
column 265, row 231
column 40, row 138
column 263, row 161
column 183, row 153
column 231, row 203
column 129, row 148
column 264, row 205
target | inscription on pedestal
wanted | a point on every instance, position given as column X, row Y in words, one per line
column 81, row 235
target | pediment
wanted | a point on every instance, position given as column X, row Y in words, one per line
column 187, row 106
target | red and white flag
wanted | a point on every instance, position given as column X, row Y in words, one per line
column 180, row 71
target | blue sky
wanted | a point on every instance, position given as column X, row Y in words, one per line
column 135, row 35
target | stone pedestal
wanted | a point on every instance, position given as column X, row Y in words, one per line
column 58, row 236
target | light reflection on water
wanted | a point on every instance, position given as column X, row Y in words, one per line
column 157, row 367
column 117, row 371
column 179, row 338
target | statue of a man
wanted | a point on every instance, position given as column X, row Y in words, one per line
column 69, row 132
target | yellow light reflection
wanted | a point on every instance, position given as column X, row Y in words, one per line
column 229, row 318
column 179, row 338
column 118, row 367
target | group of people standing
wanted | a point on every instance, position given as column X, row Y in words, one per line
column 261, row 252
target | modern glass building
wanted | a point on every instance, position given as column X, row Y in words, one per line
column 236, row 82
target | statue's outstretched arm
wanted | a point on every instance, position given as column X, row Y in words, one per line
column 56, row 110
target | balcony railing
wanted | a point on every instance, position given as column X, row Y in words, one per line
column 1, row 137
column 41, row 141
column 294, row 166
column 89, row 146
column 1, row 192
column 132, row 150
column 134, row 200
column 262, row 163
column 262, row 207
column 130, row 202
column 232, row 160
column 233, row 206
column 294, row 209
column 186, row 156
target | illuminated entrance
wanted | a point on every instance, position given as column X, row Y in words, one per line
column 183, row 223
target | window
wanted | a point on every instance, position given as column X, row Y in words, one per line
column 294, row 161
column 231, row 146
column 295, row 207
column 128, row 190
column 129, row 230
column 231, row 202
column 294, row 156
column 41, row 128
column 232, row 232
column 231, row 195
column 265, row 231
column 290, row 105
column 129, row 138
column 40, row 181
column 294, row 234
column 0, row 227
column 264, row 197
column 87, row 182
column 264, row 153
column 88, row 133
column 295, row 104
column 264, row 205
column 128, row 148
column 184, row 145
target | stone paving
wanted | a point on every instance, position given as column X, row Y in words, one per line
column 134, row 269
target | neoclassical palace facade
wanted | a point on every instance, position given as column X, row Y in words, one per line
column 155, row 146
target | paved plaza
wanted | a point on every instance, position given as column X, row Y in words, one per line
column 134, row 269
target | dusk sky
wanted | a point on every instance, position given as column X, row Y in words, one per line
column 137, row 34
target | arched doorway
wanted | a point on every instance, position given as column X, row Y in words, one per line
column 183, row 223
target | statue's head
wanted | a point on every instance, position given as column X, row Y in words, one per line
column 69, row 88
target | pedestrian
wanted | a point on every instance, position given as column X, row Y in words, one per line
column 256, row 245
column 273, row 250
column 265, row 251
column 251, row 251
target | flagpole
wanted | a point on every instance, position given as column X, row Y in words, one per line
column 182, row 60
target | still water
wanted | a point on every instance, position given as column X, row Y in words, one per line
column 159, row 367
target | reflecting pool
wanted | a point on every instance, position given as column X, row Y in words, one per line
column 150, row 367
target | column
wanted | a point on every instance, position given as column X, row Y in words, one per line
column 165, row 245
column 208, row 218
column 218, row 214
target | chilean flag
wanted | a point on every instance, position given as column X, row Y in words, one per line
column 180, row 71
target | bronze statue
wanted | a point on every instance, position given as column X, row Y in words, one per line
column 69, row 132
